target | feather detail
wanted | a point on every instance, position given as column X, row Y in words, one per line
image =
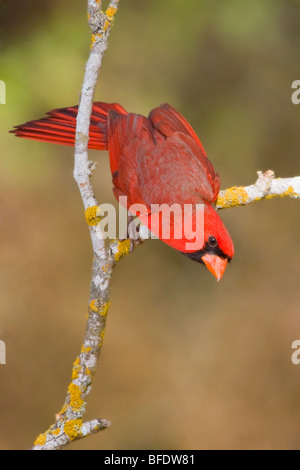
column 59, row 126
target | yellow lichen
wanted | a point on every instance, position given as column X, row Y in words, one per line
column 105, row 268
column 91, row 216
column 110, row 12
column 104, row 309
column 41, row 440
column 123, row 249
column 237, row 196
column 291, row 192
column 76, row 369
column 76, row 402
column 109, row 15
column 93, row 306
column 106, row 25
column 85, row 350
column 56, row 432
column 102, row 334
column 72, row 428
column 232, row 197
column 95, row 38
column 288, row 193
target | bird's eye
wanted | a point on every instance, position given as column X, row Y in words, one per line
column 213, row 242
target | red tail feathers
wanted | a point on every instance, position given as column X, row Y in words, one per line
column 59, row 127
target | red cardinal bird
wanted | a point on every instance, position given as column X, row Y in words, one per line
column 154, row 160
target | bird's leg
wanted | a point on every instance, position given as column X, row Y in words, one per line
column 133, row 233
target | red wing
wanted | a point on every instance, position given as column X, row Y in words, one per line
column 159, row 160
column 168, row 122
column 174, row 173
column 129, row 137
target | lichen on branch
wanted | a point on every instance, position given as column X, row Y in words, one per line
column 69, row 424
column 266, row 187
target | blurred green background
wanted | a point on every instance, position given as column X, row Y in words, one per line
column 188, row 363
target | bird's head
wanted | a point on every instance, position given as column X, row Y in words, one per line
column 217, row 250
column 202, row 236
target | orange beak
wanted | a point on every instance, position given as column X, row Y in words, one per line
column 215, row 265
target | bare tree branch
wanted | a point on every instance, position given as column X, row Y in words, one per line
column 69, row 425
column 266, row 187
